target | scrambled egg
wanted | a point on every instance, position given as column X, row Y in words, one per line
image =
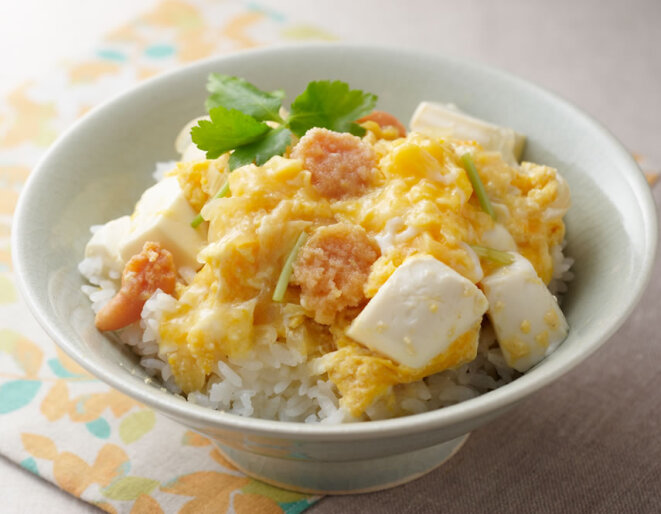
column 412, row 197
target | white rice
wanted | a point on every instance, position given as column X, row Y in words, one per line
column 561, row 270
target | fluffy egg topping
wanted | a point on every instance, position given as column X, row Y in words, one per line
column 368, row 205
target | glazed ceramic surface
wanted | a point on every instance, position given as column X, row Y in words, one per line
column 99, row 168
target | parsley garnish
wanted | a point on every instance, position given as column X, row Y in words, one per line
column 330, row 105
column 238, row 111
column 274, row 142
column 228, row 129
column 237, row 93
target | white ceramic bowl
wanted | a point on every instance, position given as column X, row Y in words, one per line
column 98, row 169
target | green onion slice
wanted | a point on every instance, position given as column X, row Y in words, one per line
column 197, row 221
column 285, row 274
column 478, row 187
column 497, row 256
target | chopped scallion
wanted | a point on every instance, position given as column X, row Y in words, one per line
column 197, row 221
column 224, row 191
column 285, row 274
column 497, row 256
column 476, row 182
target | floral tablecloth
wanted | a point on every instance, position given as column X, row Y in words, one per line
column 56, row 420
column 95, row 443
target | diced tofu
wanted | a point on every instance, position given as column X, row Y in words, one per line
column 184, row 139
column 420, row 310
column 185, row 146
column 526, row 317
column 193, row 153
column 106, row 242
column 498, row 238
column 164, row 215
column 437, row 120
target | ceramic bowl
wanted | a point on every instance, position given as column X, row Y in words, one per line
column 98, row 169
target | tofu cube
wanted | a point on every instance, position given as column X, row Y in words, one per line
column 526, row 317
column 164, row 215
column 106, row 241
column 418, row 312
column 438, row 120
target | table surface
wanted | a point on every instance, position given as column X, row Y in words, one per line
column 600, row 54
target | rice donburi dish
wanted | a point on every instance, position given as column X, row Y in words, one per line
column 325, row 264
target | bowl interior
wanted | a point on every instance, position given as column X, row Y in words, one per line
column 100, row 167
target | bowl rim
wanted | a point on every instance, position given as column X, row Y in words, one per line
column 482, row 405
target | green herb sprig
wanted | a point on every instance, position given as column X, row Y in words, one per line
column 239, row 112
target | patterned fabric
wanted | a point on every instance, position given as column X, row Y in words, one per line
column 56, row 420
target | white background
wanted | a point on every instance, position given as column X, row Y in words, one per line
column 603, row 55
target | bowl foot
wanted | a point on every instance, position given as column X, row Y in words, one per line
column 345, row 477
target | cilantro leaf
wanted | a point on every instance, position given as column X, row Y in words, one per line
column 331, row 105
column 275, row 142
column 237, row 93
column 228, row 129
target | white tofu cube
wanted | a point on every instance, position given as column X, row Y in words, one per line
column 163, row 215
column 193, row 153
column 106, row 241
column 438, row 120
column 420, row 310
column 526, row 317
column 184, row 139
